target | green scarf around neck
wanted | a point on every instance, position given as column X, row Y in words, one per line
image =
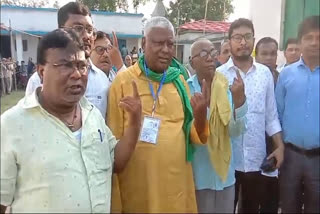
column 172, row 76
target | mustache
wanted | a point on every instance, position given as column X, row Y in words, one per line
column 243, row 48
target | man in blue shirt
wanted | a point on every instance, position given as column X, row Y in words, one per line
column 297, row 95
column 214, row 193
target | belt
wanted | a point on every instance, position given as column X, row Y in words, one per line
column 307, row 152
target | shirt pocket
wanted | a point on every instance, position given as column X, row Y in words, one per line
column 102, row 158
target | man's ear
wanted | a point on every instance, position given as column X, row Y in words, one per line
column 40, row 70
column 190, row 61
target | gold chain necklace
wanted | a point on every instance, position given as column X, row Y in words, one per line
column 69, row 125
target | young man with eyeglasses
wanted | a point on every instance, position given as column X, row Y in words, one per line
column 262, row 116
column 77, row 16
column 213, row 176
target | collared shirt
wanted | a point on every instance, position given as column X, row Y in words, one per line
column 45, row 169
column 262, row 116
column 281, row 67
column 98, row 86
column 33, row 83
column 297, row 94
column 205, row 176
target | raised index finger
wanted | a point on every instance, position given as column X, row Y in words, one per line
column 204, row 89
column 238, row 75
column 115, row 39
column 135, row 89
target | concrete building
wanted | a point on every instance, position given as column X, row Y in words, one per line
column 279, row 19
column 215, row 31
column 29, row 24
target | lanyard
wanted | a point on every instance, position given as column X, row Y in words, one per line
column 154, row 96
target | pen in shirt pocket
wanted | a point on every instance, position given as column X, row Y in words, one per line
column 100, row 134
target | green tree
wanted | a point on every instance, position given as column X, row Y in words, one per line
column 182, row 11
column 56, row 4
column 112, row 5
column 26, row 3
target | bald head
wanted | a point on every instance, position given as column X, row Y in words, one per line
column 198, row 45
column 203, row 57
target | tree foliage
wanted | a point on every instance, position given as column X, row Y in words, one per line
column 112, row 5
column 188, row 10
column 26, row 3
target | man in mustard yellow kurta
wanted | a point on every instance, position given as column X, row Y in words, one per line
column 158, row 177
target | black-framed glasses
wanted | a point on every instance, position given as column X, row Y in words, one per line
column 204, row 54
column 68, row 67
column 238, row 37
column 80, row 29
column 100, row 49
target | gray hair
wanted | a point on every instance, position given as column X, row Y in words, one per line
column 157, row 21
column 194, row 44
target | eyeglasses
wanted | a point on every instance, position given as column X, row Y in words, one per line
column 100, row 49
column 238, row 37
column 80, row 29
column 69, row 66
column 204, row 53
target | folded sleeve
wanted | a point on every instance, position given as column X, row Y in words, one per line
column 202, row 138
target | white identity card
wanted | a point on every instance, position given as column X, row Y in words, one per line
column 150, row 130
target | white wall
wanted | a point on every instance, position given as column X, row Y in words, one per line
column 187, row 38
column 19, row 47
column 32, row 19
column 128, row 26
column 132, row 43
column 267, row 20
column 186, row 53
column 120, row 24
column 191, row 36
column 32, row 48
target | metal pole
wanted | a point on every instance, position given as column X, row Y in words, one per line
column 205, row 18
column 177, row 37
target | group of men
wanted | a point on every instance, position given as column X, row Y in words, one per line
column 13, row 75
column 7, row 75
column 92, row 135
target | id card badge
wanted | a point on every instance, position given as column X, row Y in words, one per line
column 150, row 130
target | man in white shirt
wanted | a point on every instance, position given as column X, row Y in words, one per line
column 33, row 83
column 101, row 74
column 74, row 15
column 262, row 116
